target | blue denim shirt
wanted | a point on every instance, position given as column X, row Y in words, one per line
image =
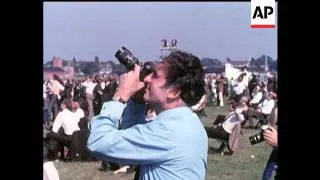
column 173, row 146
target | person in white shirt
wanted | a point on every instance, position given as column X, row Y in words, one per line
column 263, row 110
column 55, row 89
column 246, row 78
column 89, row 85
column 67, row 120
column 257, row 97
column 231, row 86
column 213, row 87
column 239, row 88
column 224, row 129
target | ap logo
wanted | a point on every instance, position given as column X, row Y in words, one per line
column 263, row 13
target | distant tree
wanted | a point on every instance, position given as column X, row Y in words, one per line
column 112, row 63
column 210, row 61
column 97, row 62
column 65, row 62
column 90, row 68
column 47, row 64
column 118, row 69
column 96, row 59
column 82, row 65
column 228, row 60
column 74, row 62
column 259, row 63
column 75, row 65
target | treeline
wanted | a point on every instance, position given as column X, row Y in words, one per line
column 95, row 66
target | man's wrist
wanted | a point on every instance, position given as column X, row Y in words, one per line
column 119, row 98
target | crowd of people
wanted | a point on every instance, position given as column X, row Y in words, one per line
column 112, row 119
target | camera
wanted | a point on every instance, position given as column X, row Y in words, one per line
column 258, row 138
column 126, row 58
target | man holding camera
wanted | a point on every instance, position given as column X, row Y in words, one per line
column 172, row 146
column 271, row 137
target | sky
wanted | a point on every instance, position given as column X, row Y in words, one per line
column 207, row 29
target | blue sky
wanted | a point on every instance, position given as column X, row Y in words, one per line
column 206, row 29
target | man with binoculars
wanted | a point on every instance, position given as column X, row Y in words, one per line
column 172, row 146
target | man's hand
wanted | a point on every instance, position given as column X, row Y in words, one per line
column 271, row 136
column 130, row 83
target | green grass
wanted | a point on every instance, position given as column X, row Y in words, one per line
column 239, row 166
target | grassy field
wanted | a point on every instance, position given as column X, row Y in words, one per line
column 245, row 164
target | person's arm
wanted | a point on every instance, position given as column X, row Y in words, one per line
column 139, row 144
column 134, row 113
column 238, row 113
column 57, row 123
column 197, row 106
column 204, row 102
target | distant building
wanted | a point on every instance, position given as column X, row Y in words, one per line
column 58, row 68
column 57, row 62
column 105, row 68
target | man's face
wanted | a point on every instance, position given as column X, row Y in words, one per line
column 75, row 104
column 245, row 108
column 156, row 90
column 63, row 106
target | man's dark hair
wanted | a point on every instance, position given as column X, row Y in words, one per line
column 57, row 78
column 186, row 73
column 97, row 78
column 68, row 103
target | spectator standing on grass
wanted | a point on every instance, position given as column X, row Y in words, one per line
column 162, row 146
column 56, row 88
column 239, row 88
column 220, row 90
column 89, row 86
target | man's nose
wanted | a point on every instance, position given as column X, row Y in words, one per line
column 147, row 79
